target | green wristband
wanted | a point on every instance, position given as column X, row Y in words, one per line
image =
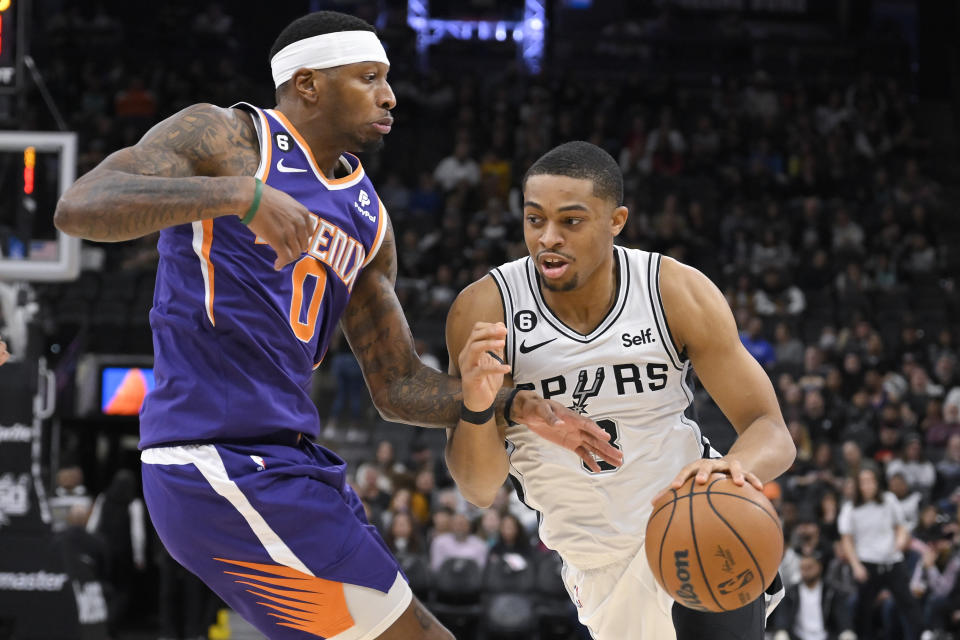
column 252, row 211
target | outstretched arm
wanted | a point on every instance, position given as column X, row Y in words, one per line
column 195, row 165
column 703, row 326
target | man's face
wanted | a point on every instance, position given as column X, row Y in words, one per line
column 461, row 525
column 358, row 100
column 808, row 532
column 813, row 404
column 568, row 230
column 851, row 452
column 809, row 569
column 441, row 521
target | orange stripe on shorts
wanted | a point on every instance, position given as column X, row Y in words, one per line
column 303, row 602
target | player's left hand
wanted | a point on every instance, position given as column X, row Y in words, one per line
column 481, row 365
column 554, row 422
column 4, row 354
column 703, row 468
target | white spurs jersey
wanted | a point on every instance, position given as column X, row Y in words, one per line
column 628, row 377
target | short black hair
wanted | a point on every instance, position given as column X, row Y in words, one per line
column 317, row 24
column 584, row 161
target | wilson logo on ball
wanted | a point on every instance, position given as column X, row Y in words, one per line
column 685, row 591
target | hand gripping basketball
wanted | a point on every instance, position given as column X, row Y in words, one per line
column 714, row 546
column 703, row 467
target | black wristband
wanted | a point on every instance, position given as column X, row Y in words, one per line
column 509, row 404
column 476, row 417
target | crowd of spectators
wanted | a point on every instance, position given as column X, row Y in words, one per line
column 811, row 202
column 811, row 206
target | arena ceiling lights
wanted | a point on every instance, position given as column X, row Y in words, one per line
column 527, row 33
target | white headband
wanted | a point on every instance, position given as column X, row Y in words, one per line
column 325, row 51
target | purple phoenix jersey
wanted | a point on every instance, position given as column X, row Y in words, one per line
column 235, row 342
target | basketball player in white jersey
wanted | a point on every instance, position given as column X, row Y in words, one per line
column 613, row 334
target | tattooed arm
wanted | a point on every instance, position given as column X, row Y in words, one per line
column 403, row 388
column 196, row 165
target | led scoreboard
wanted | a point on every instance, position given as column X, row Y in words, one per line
column 36, row 167
column 9, row 60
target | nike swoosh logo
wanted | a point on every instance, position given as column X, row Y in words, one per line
column 283, row 169
column 525, row 349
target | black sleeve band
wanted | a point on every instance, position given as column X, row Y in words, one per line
column 476, row 417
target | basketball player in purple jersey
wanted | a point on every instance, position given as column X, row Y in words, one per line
column 271, row 234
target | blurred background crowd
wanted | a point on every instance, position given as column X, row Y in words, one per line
column 798, row 166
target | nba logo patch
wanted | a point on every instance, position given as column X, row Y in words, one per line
column 576, row 591
column 261, row 465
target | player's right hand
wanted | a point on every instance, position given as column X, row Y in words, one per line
column 4, row 354
column 481, row 374
column 284, row 224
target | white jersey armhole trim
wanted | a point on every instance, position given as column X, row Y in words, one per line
column 506, row 299
column 381, row 232
column 262, row 127
column 659, row 314
column 706, row 450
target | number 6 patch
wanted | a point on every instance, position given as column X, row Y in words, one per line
column 525, row 320
column 282, row 141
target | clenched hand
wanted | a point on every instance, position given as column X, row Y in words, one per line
column 284, row 224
